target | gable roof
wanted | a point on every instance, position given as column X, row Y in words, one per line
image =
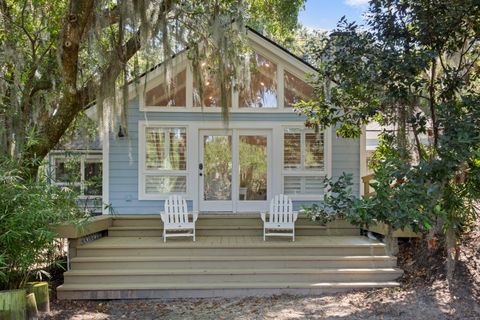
column 267, row 41
column 281, row 48
column 249, row 29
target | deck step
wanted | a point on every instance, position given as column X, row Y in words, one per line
column 230, row 246
column 207, row 290
column 234, row 230
column 224, row 262
column 147, row 267
column 231, row 275
column 219, row 220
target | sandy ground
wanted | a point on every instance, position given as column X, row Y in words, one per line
column 434, row 302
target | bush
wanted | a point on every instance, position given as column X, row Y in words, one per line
column 29, row 211
column 337, row 200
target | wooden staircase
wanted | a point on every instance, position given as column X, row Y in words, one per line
column 229, row 258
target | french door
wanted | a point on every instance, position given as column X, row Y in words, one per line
column 234, row 170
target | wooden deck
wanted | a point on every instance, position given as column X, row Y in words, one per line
column 126, row 264
column 233, row 241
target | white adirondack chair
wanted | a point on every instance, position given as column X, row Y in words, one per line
column 280, row 220
column 176, row 218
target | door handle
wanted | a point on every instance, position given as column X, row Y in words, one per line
column 200, row 166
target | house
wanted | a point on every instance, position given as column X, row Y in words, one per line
column 173, row 145
column 228, row 172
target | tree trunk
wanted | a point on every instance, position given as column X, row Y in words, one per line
column 452, row 255
column 50, row 132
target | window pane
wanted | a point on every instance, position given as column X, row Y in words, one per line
column 292, row 150
column 295, row 89
column 173, row 95
column 313, row 150
column 166, row 148
column 253, row 168
column 261, row 92
column 67, row 171
column 165, row 184
column 211, row 94
column 217, row 161
column 292, row 185
column 301, row 185
column 313, row 185
column 93, row 178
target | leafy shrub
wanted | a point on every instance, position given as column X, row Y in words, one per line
column 337, row 200
column 29, row 211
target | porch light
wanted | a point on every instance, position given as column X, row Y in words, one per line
column 121, row 132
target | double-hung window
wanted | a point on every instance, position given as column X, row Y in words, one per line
column 303, row 162
column 165, row 161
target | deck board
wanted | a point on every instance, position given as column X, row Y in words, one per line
column 232, row 241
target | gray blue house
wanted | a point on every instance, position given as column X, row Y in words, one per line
column 177, row 144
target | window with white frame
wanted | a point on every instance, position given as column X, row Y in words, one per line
column 81, row 173
column 165, row 161
column 303, row 161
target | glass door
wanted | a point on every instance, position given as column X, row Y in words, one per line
column 253, row 170
column 234, row 170
column 215, row 171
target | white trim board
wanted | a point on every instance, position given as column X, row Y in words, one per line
column 363, row 159
column 105, row 166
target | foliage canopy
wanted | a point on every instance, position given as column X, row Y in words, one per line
column 417, row 76
column 59, row 56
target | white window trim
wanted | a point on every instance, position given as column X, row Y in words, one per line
column 327, row 167
column 283, row 62
column 143, row 172
column 83, row 158
column 363, row 159
column 193, row 128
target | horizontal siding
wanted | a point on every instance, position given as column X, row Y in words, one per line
column 346, row 158
column 123, row 156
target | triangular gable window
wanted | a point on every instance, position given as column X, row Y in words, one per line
column 173, row 95
column 295, row 90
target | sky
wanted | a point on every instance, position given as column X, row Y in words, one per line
column 324, row 14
